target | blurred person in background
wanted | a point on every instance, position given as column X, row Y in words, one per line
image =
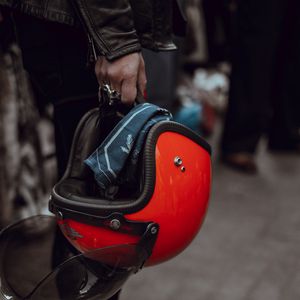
column 219, row 16
column 264, row 94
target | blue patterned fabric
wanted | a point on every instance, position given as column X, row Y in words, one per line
column 124, row 144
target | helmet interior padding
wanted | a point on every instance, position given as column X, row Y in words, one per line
column 78, row 190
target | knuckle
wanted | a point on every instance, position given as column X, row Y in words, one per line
column 111, row 73
column 129, row 95
column 101, row 73
column 128, row 73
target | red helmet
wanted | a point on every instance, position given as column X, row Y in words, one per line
column 162, row 215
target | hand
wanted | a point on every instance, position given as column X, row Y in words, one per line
column 126, row 75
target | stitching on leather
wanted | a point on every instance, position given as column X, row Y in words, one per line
column 92, row 26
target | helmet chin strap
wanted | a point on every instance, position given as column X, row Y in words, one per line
column 148, row 240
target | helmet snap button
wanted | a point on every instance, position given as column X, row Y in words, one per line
column 182, row 169
column 177, row 161
column 60, row 215
column 153, row 230
column 115, row 224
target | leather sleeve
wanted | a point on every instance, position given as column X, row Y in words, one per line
column 110, row 24
column 153, row 23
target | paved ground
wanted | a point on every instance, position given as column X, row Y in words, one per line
column 249, row 247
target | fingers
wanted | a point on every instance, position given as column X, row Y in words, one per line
column 129, row 91
column 115, row 82
column 100, row 71
column 124, row 75
column 108, row 73
column 142, row 79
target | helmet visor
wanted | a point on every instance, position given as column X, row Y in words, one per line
column 29, row 268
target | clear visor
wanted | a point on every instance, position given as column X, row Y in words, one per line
column 31, row 269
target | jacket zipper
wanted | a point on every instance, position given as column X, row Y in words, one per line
column 92, row 54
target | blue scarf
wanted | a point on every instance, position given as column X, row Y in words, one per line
column 124, row 144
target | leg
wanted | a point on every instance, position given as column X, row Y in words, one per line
column 55, row 57
column 285, row 126
column 259, row 28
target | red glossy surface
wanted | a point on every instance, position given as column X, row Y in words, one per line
column 87, row 237
column 180, row 199
column 178, row 205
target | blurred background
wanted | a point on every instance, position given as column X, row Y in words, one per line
column 234, row 80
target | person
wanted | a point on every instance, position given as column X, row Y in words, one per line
column 58, row 38
column 264, row 97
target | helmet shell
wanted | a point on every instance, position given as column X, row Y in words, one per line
column 180, row 199
column 176, row 182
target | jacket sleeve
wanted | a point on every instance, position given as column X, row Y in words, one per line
column 110, row 25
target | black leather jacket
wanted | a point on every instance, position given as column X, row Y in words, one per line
column 115, row 27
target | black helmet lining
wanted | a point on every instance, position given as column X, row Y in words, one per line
column 78, row 191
